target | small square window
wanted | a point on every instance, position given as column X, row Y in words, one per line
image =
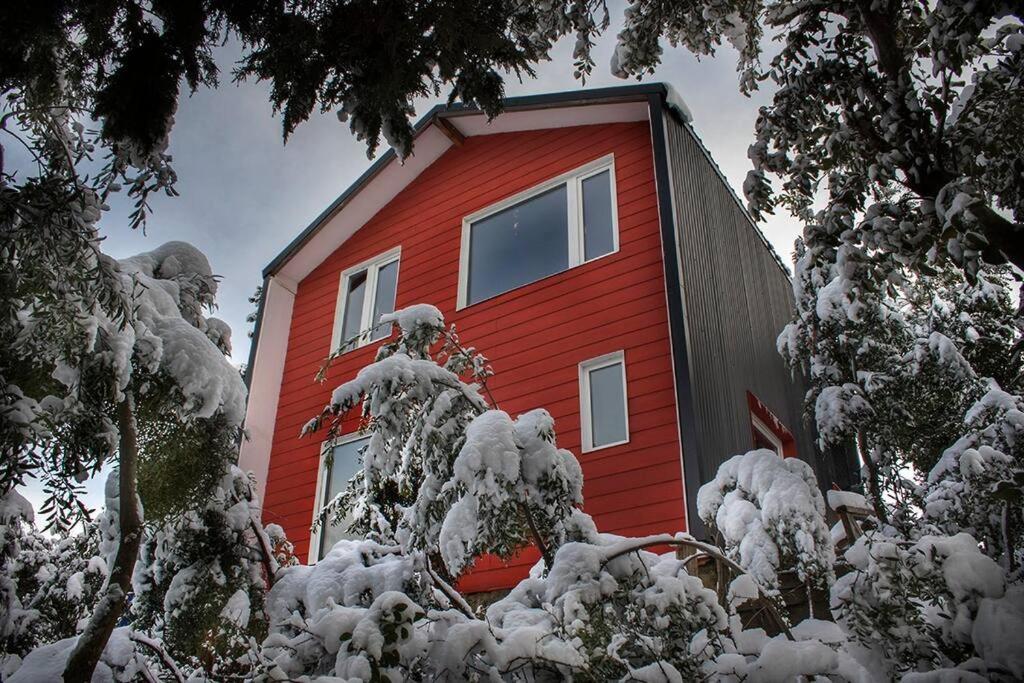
column 604, row 415
column 340, row 462
column 367, row 292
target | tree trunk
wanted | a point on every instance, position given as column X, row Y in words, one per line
column 874, row 479
column 93, row 640
column 537, row 539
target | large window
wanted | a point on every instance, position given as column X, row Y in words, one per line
column 367, row 292
column 340, row 463
column 604, row 416
column 557, row 225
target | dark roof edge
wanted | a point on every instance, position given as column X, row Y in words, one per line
column 567, row 98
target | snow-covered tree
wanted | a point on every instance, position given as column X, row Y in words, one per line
column 770, row 517
column 978, row 485
column 444, row 473
column 57, row 580
column 15, row 513
column 201, row 580
column 896, row 369
column 150, row 388
column 929, row 605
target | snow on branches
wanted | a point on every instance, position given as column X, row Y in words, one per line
column 929, row 605
column 770, row 516
column 978, row 484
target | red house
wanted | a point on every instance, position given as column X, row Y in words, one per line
column 587, row 244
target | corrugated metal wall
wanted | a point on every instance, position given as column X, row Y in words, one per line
column 737, row 298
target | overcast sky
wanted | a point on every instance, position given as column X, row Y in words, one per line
column 244, row 194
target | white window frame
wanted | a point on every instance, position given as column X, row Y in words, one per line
column 372, row 267
column 766, row 433
column 315, row 531
column 573, row 180
column 586, row 428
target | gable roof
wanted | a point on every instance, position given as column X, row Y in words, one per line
column 434, row 133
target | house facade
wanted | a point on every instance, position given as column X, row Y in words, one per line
column 586, row 243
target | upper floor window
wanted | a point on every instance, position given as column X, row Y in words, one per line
column 340, row 462
column 367, row 292
column 604, row 417
column 556, row 225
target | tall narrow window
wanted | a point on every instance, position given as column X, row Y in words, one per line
column 604, row 415
column 557, row 225
column 367, row 292
column 340, row 464
column 598, row 224
column 384, row 298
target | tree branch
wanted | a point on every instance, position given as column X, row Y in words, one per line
column 453, row 595
column 91, row 643
column 270, row 564
column 545, row 552
column 874, row 477
column 160, row 652
column 1005, row 237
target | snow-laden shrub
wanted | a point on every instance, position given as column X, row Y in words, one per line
column 609, row 616
column 15, row 513
column 315, row 612
column 606, row 610
column 770, row 516
column 978, row 484
column 58, row 581
column 937, row 602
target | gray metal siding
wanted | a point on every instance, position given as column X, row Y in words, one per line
column 737, row 298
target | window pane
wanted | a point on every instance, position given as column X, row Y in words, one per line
column 345, row 465
column 353, row 307
column 519, row 245
column 598, row 235
column 384, row 301
column 607, row 405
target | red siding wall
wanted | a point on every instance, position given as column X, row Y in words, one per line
column 534, row 336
